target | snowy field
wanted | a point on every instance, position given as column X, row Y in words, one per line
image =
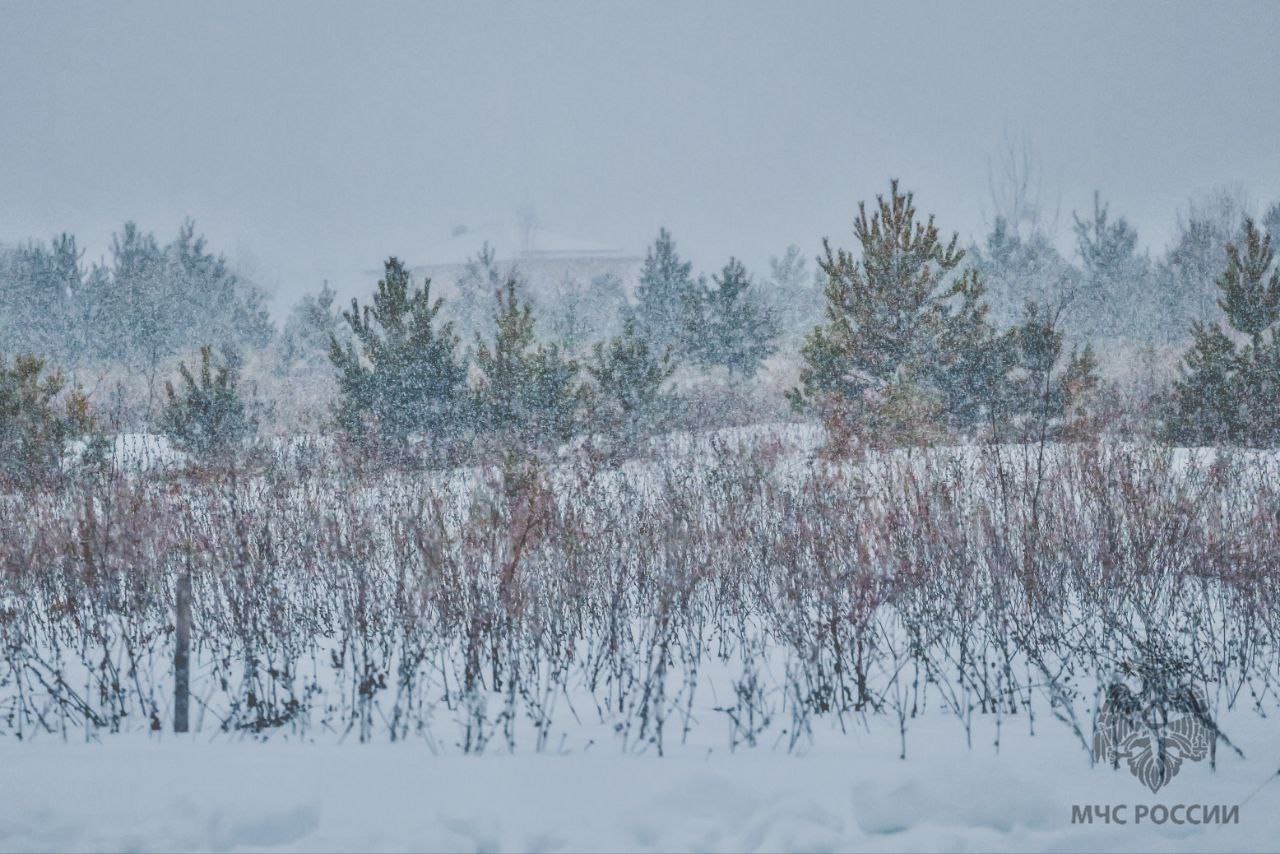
column 727, row 644
column 133, row 793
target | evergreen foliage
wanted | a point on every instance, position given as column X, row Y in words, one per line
column 227, row 310
column 137, row 311
column 1116, row 291
column 1017, row 270
column 892, row 358
column 628, row 397
column 39, row 416
column 1187, row 275
column 730, row 327
column 147, row 303
column 1226, row 393
column 1044, row 395
column 1271, row 220
column 477, row 287
column 206, row 417
column 971, row 367
column 664, row 292
column 310, row 327
column 576, row 315
column 528, row 390
column 1260, row 392
column 406, row 377
column 794, row 298
column 905, row 346
column 1205, row 405
column 41, row 291
column 1250, row 299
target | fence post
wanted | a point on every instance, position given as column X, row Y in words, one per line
column 182, row 651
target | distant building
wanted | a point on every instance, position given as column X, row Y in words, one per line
column 546, row 259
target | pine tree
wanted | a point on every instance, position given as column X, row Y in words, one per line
column 604, row 305
column 227, row 310
column 1206, row 408
column 149, row 302
column 481, row 280
column 565, row 319
column 972, row 364
column 1249, row 298
column 152, row 301
column 576, row 314
column 206, row 417
column 528, row 390
column 312, row 322
column 730, row 328
column 1223, row 394
column 1017, row 270
column 663, row 294
column 1186, row 276
column 1251, row 302
column 136, row 312
column 40, row 289
column 793, row 297
column 1260, row 402
column 878, row 366
column 1116, row 295
column 407, row 377
column 1044, row 394
column 39, row 416
column 628, row 397
column 1271, row 220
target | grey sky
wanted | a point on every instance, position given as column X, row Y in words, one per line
column 316, row 139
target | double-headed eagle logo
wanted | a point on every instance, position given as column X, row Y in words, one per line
column 1154, row 738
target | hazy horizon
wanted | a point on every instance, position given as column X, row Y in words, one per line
column 311, row 141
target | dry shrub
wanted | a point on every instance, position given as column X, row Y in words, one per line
column 492, row 607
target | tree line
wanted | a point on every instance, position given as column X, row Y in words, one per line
column 147, row 300
column 915, row 343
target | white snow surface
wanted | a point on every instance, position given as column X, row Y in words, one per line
column 854, row 793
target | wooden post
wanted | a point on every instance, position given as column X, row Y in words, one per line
column 182, row 652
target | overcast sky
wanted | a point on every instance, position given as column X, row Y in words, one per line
column 312, row 140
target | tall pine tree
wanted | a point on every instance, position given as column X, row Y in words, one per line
column 528, row 390
column 1186, row 276
column 1043, row 393
column 1250, row 299
column 663, row 294
column 1116, row 295
column 41, row 289
column 730, row 327
column 1018, row 269
column 629, row 397
column 312, row 322
column 406, row 377
column 793, row 297
column 1229, row 394
column 1205, row 404
column 900, row 328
